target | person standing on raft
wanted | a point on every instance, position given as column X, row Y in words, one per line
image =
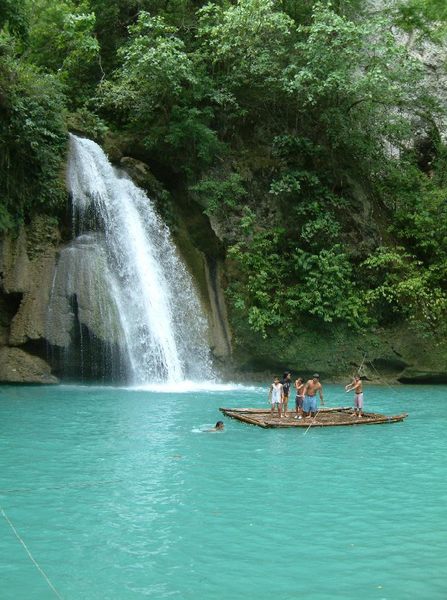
column 286, row 383
column 357, row 386
column 311, row 388
column 299, row 386
column 276, row 396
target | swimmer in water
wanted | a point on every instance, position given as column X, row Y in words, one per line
column 219, row 426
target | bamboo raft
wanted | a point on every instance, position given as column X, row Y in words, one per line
column 326, row 417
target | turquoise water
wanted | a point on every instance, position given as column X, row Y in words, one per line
column 118, row 494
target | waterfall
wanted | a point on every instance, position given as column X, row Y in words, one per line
column 130, row 286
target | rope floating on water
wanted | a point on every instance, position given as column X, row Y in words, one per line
column 33, row 560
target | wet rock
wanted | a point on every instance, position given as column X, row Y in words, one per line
column 14, row 263
column 81, row 294
column 385, row 356
column 28, row 268
column 220, row 332
column 17, row 366
column 142, row 176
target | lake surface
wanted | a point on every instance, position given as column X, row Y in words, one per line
column 119, row 494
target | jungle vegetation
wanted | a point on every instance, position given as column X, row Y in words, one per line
column 310, row 131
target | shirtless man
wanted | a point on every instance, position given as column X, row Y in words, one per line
column 357, row 386
column 299, row 387
column 311, row 388
column 276, row 396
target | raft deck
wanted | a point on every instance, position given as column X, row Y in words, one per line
column 326, row 417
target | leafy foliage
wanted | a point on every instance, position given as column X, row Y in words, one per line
column 220, row 194
column 155, row 91
column 32, row 139
column 400, row 285
column 280, row 288
column 13, row 16
column 62, row 39
column 426, row 16
column 305, row 130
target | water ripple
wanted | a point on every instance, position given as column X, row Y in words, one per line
column 117, row 498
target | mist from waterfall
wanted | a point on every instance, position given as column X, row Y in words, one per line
column 131, row 287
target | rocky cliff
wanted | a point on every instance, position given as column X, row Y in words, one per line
column 28, row 330
column 397, row 353
column 27, row 260
column 50, row 292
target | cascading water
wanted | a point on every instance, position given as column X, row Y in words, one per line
column 131, row 288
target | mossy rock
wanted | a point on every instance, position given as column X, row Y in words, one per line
column 383, row 356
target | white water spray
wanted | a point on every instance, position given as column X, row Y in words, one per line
column 152, row 310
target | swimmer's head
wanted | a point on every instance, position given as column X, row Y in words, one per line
column 219, row 425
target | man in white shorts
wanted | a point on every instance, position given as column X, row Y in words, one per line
column 356, row 385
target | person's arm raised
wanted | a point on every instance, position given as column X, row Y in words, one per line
column 350, row 386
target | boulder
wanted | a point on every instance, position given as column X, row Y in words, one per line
column 17, row 366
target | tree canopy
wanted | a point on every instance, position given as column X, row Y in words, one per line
column 310, row 131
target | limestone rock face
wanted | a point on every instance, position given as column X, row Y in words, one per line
column 28, row 268
column 220, row 332
column 432, row 56
column 82, row 272
column 29, row 323
column 27, row 260
column 385, row 356
column 17, row 366
column 14, row 263
column 142, row 176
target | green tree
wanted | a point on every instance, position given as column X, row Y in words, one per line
column 13, row 16
column 62, row 40
column 356, row 96
column 246, row 47
column 157, row 91
column 401, row 288
column 32, row 138
column 281, row 284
